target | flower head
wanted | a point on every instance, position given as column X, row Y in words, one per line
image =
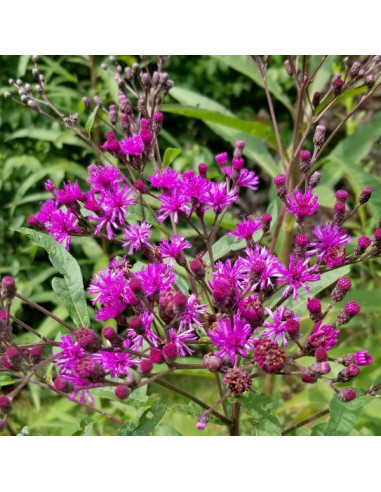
column 165, row 179
column 276, row 329
column 233, row 338
column 61, row 225
column 328, row 236
column 246, row 228
column 296, row 275
column 302, row 205
column 174, row 247
column 217, row 197
column 132, row 145
column 136, row 236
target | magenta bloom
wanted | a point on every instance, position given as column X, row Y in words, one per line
column 71, row 353
column 180, row 339
column 218, row 197
column 323, row 336
column 156, row 277
column 296, row 275
column 276, row 329
column 246, row 178
column 116, row 363
column 328, row 236
column 104, row 177
column 132, row 145
column 47, row 210
column 302, row 205
column 363, row 358
column 174, row 247
column 173, row 204
column 137, row 236
column 108, row 285
column 259, row 268
column 137, row 340
column 70, row 194
column 233, row 340
column 246, row 228
column 193, row 312
column 61, row 225
column 166, row 179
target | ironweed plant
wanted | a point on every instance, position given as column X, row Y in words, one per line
column 232, row 307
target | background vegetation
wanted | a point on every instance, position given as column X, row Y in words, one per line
column 216, row 100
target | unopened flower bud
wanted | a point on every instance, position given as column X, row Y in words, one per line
column 316, row 99
column 305, row 161
column 145, row 366
column 5, row 404
column 170, row 351
column 370, row 80
column 342, row 195
column 347, row 394
column 350, row 310
column 319, row 135
column 179, row 302
column 280, row 186
column 197, row 268
column 122, row 391
column 340, row 290
column 90, row 370
column 8, row 287
column 212, row 362
column 314, row 179
column 136, row 324
column 314, row 307
column 137, row 288
column 36, row 353
column 202, row 421
column 321, row 354
column 156, row 355
column 338, row 85
column 365, row 195
column 287, row 66
column 355, row 69
column 88, row 339
column 64, row 385
column 362, row 244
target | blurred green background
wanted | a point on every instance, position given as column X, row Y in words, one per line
column 216, row 100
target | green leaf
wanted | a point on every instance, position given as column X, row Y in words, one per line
column 23, row 63
column 170, row 155
column 258, row 129
column 242, row 64
column 343, row 416
column 259, row 408
column 225, row 245
column 73, row 293
column 193, row 410
column 91, row 120
column 255, row 148
column 147, row 422
column 6, row 380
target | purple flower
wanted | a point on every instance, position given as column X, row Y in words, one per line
column 61, row 225
column 296, row 275
column 322, row 336
column 165, row 179
column 137, row 340
column 70, row 194
column 156, row 277
column 132, row 145
column 116, row 363
column 363, row 358
column 180, row 339
column 217, row 197
column 276, row 329
column 233, row 340
column 110, row 310
column 192, row 313
column 47, row 210
column 173, row 204
column 71, row 353
column 328, row 236
column 137, row 236
column 302, row 205
column 258, row 268
column 104, row 177
column 108, row 285
column 246, row 178
column 196, row 187
column 246, row 228
column 174, row 247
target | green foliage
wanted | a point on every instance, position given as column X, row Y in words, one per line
column 260, row 407
column 147, row 422
column 343, row 416
column 70, row 288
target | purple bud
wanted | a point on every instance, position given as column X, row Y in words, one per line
column 203, row 169
column 319, row 135
column 222, row 158
column 347, row 394
column 365, row 195
column 212, row 362
column 305, row 161
column 342, row 195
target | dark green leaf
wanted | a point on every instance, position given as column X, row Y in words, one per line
column 259, row 407
column 147, row 422
column 91, row 120
column 74, row 292
column 343, row 416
